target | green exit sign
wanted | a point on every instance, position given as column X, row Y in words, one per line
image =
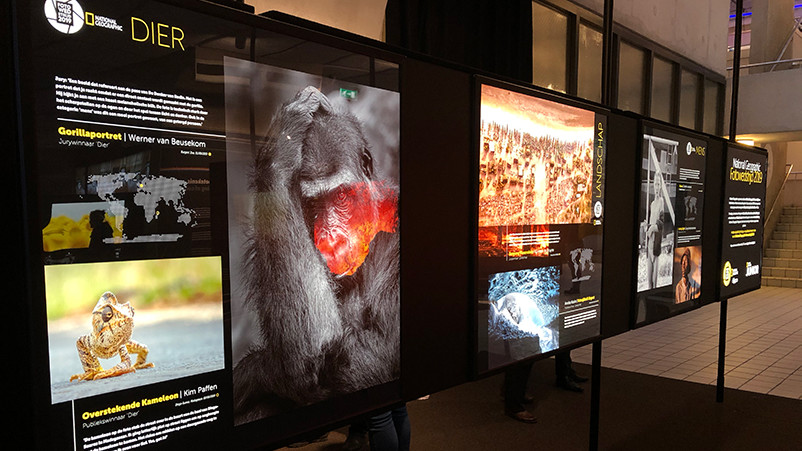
column 349, row 94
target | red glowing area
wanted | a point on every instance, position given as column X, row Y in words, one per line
column 488, row 238
column 354, row 214
column 542, row 237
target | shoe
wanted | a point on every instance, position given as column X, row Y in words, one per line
column 577, row 378
column 523, row 416
column 567, row 384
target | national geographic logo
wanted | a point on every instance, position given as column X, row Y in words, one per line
column 66, row 16
column 727, row 274
column 690, row 149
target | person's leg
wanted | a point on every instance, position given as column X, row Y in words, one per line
column 562, row 369
column 403, row 429
column 515, row 379
column 382, row 433
column 562, row 364
column 572, row 372
column 653, row 259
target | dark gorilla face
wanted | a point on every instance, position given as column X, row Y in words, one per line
column 344, row 207
column 335, row 154
column 333, row 150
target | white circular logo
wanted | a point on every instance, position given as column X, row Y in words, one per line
column 597, row 209
column 727, row 274
column 66, row 16
column 689, row 148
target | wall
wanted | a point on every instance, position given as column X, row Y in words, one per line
column 777, row 157
column 796, row 46
column 362, row 17
column 772, row 22
column 768, row 102
column 792, row 194
column 696, row 29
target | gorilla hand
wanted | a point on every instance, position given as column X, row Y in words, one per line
column 281, row 158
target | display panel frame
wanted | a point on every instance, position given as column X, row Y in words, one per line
column 686, row 144
column 729, row 273
column 319, row 417
column 599, row 148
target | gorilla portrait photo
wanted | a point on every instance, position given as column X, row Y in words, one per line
column 315, row 260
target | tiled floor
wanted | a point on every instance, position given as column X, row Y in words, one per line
column 764, row 345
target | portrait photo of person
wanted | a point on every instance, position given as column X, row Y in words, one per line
column 687, row 287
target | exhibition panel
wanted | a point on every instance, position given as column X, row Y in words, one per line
column 217, row 197
column 121, row 134
column 711, row 242
column 540, row 211
column 436, row 276
column 241, row 232
column 623, row 162
column 743, row 210
column 670, row 223
column 322, row 183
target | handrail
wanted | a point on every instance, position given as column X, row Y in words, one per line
column 790, row 167
column 749, row 66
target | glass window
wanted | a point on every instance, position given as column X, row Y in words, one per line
column 662, row 82
column 590, row 63
column 549, row 47
column 689, row 89
column 712, row 112
column 630, row 78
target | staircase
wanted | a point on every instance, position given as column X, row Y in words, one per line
column 782, row 262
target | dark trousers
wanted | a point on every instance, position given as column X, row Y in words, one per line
column 515, row 379
column 562, row 364
column 390, row 431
